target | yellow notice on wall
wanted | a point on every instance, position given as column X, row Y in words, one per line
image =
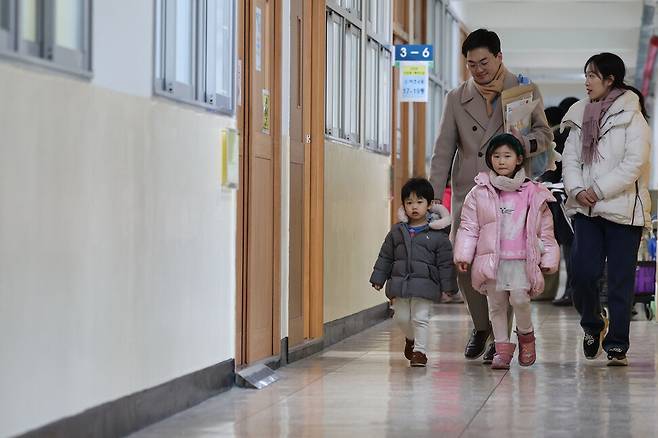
column 266, row 111
column 230, row 171
column 414, row 69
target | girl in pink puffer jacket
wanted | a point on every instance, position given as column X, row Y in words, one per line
column 506, row 234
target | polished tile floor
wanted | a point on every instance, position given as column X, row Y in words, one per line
column 363, row 387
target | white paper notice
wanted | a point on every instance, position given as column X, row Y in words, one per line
column 259, row 34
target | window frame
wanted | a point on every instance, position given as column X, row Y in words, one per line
column 339, row 79
column 335, row 83
column 8, row 36
column 45, row 52
column 379, row 37
column 202, row 89
column 444, row 28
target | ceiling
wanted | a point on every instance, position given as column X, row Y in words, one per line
column 549, row 40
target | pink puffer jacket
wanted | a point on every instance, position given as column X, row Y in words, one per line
column 478, row 237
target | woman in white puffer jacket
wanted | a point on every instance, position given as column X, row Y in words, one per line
column 606, row 168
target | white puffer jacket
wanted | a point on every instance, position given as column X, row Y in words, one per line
column 621, row 174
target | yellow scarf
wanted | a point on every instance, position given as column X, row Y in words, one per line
column 491, row 90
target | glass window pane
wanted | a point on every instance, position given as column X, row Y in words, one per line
column 384, row 100
column 448, row 51
column 224, row 43
column 438, row 58
column 29, row 20
column 159, row 40
column 351, row 100
column 371, row 93
column 352, row 6
column 333, row 84
column 372, row 15
column 69, row 22
column 456, row 54
column 384, row 19
column 184, row 41
column 4, row 14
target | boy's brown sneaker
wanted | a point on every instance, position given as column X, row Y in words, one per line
column 408, row 348
column 418, row 359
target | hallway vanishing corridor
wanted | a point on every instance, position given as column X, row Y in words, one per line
column 363, row 387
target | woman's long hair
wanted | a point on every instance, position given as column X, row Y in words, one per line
column 607, row 65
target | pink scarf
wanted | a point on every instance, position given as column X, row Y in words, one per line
column 594, row 112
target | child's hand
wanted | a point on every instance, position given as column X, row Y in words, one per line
column 377, row 286
column 462, row 266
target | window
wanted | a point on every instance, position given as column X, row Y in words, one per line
column 384, row 105
column 195, row 52
column 351, row 89
column 343, row 89
column 6, row 24
column 444, row 34
column 371, row 112
column 56, row 33
column 335, row 36
column 359, row 52
column 378, row 77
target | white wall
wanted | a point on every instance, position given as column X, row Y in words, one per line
column 553, row 93
column 122, row 54
column 117, row 263
column 356, row 220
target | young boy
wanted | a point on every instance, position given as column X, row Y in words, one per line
column 416, row 264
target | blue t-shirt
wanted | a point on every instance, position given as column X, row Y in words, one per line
column 415, row 230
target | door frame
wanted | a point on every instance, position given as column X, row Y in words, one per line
column 245, row 35
column 316, row 192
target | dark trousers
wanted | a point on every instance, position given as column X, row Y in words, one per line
column 566, row 249
column 597, row 239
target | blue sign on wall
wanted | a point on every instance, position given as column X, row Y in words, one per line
column 414, row 52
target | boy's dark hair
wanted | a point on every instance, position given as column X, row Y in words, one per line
column 421, row 187
column 481, row 38
column 501, row 140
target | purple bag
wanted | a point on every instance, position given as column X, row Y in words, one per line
column 645, row 278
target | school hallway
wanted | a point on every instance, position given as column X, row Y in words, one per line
column 364, row 387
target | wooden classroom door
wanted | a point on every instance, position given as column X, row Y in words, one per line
column 258, row 313
column 300, row 141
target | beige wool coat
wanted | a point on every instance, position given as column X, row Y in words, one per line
column 464, row 134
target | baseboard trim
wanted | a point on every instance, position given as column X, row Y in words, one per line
column 136, row 411
column 133, row 412
column 308, row 348
column 336, row 331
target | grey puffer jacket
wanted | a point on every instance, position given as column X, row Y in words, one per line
column 421, row 266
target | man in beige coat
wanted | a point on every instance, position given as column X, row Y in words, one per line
column 472, row 116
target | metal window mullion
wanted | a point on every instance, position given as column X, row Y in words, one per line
column 169, row 44
column 86, row 35
column 47, row 19
column 205, row 51
column 193, row 87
